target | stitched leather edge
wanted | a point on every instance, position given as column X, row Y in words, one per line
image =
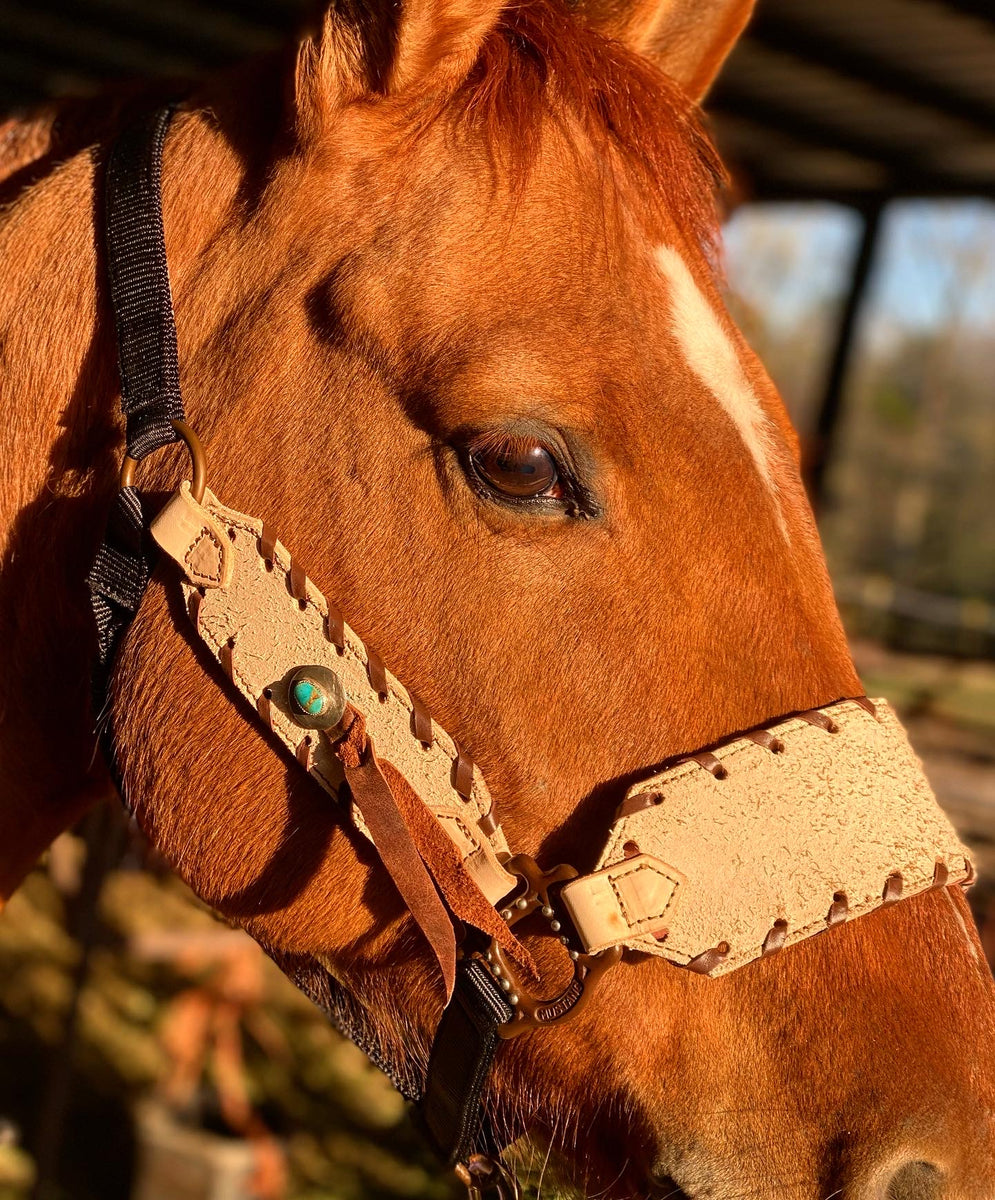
column 311, row 598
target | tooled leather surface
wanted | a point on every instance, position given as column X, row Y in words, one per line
column 782, row 833
column 260, row 633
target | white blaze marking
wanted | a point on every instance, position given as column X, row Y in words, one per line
column 713, row 358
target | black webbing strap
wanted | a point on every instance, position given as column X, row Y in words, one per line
column 139, row 282
column 148, row 360
column 450, row 1112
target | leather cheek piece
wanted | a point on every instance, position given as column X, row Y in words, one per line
column 200, row 544
column 261, row 617
column 636, row 896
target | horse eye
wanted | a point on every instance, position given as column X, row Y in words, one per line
column 518, row 469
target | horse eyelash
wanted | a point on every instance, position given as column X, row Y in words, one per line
column 577, row 503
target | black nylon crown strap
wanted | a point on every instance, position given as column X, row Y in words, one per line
column 139, row 280
column 451, row 1112
column 148, row 360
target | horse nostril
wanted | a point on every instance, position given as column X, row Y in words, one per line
column 916, row 1181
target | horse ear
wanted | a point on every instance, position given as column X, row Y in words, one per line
column 392, row 47
column 438, row 41
column 689, row 39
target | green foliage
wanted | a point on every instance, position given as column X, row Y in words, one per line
column 894, row 407
column 911, row 487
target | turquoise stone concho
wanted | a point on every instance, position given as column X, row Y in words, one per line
column 315, row 697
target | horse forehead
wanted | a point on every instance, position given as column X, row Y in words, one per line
column 714, row 358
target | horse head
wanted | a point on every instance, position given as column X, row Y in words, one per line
column 446, row 291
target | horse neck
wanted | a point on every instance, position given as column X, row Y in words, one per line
column 55, row 325
column 62, row 440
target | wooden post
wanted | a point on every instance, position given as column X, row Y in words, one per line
column 823, row 439
column 104, row 834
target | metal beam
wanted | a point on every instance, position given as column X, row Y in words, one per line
column 765, row 184
column 201, row 32
column 820, row 449
column 797, row 39
column 982, row 9
column 803, row 127
column 71, row 41
column 282, row 16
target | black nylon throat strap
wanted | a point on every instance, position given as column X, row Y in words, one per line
column 451, row 1111
column 149, row 365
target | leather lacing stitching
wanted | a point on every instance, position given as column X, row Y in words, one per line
column 716, row 766
column 302, row 589
column 839, row 910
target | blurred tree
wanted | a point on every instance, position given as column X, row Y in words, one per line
column 912, row 489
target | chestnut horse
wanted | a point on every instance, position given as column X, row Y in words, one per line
column 445, row 288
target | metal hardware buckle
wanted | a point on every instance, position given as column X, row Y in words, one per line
column 481, row 1173
column 197, row 460
column 532, row 1011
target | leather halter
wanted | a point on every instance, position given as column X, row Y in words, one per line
column 719, row 859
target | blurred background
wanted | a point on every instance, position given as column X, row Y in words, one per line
column 149, row 1052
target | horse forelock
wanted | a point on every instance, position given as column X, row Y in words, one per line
column 541, row 59
column 542, row 63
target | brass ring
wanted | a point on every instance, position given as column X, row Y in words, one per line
column 197, row 459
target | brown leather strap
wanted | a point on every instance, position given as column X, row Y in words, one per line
column 820, row 720
column 711, row 763
column 377, row 673
column 764, row 738
column 421, row 721
column 335, row 626
column 454, row 881
column 267, row 544
column 375, row 800
column 463, row 773
column 297, row 581
column 435, row 849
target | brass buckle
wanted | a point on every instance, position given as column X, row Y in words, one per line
column 481, row 1173
column 197, row 460
column 531, row 1011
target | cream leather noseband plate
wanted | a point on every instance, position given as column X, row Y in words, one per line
column 727, row 856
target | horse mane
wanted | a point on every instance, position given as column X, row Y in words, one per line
column 35, row 140
column 542, row 59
